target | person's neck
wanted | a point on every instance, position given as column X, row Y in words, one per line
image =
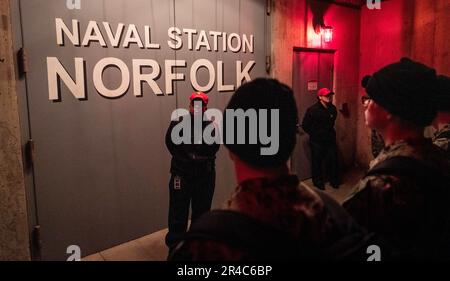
column 246, row 172
column 395, row 132
column 324, row 104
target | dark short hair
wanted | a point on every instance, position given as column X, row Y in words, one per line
column 265, row 93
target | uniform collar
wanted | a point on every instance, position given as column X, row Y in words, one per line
column 446, row 128
column 400, row 148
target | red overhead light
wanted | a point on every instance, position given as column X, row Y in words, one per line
column 327, row 32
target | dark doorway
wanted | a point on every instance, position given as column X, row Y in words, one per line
column 312, row 70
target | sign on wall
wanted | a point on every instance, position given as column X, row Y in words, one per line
column 125, row 35
column 104, row 77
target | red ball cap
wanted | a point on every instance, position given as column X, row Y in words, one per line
column 199, row 95
column 324, row 92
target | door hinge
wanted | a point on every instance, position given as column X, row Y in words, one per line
column 30, row 152
column 268, row 6
column 268, row 64
column 22, row 61
column 37, row 242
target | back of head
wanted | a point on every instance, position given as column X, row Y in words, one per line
column 365, row 80
column 442, row 99
column 406, row 89
column 263, row 94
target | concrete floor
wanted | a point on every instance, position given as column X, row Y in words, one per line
column 349, row 180
column 153, row 248
column 147, row 248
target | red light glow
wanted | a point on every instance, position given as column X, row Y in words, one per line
column 327, row 34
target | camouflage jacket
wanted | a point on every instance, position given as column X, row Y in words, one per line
column 442, row 138
column 377, row 143
column 397, row 207
column 284, row 204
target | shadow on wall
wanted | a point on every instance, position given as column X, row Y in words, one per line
column 318, row 10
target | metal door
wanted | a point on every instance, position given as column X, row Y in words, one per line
column 312, row 70
column 101, row 169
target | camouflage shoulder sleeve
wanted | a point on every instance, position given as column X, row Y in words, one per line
column 371, row 199
column 443, row 143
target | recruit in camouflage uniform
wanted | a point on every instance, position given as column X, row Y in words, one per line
column 392, row 205
column 404, row 196
column 377, row 143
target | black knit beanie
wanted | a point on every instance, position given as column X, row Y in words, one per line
column 263, row 93
column 365, row 81
column 406, row 89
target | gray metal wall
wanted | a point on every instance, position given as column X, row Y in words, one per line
column 101, row 169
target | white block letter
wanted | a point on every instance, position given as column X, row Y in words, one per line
column 202, row 41
column 132, row 36
column 138, row 76
column 230, row 43
column 212, row 75
column 170, row 76
column 174, row 34
column 215, row 34
column 190, row 33
column 148, row 42
column 55, row 70
column 243, row 73
column 114, row 39
column 98, row 77
column 73, row 36
column 93, row 34
column 220, row 86
column 247, row 43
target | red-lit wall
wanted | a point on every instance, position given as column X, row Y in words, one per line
column 292, row 27
column 381, row 34
column 365, row 40
column 418, row 29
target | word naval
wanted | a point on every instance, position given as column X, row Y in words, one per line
column 197, row 40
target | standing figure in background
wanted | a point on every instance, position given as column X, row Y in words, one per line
column 192, row 171
column 318, row 123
